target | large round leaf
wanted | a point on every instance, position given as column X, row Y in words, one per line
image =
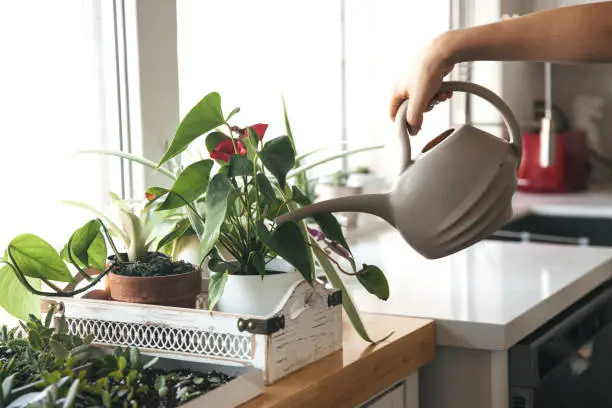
column 374, row 280
column 279, row 157
column 190, row 184
column 15, row 298
column 202, row 118
column 88, row 248
column 37, row 259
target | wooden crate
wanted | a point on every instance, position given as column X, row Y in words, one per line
column 305, row 327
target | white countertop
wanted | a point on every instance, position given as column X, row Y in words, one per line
column 493, row 294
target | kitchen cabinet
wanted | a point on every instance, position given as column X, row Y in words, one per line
column 404, row 394
column 391, row 398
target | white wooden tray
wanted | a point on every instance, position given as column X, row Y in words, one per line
column 305, row 327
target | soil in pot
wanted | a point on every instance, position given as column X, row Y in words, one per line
column 156, row 280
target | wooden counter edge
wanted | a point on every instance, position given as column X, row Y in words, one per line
column 359, row 372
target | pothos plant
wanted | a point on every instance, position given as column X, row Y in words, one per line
column 233, row 208
column 29, row 262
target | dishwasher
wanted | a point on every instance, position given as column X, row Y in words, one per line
column 567, row 363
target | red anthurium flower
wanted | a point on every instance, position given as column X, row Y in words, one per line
column 260, row 129
column 225, row 150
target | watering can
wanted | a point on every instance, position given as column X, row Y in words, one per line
column 456, row 193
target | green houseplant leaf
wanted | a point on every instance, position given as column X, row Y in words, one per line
column 88, row 247
column 216, row 208
column 37, row 259
column 190, row 184
column 240, row 166
column 215, row 287
column 279, row 157
column 374, row 280
column 15, row 298
column 202, row 118
column 287, row 241
column 347, row 301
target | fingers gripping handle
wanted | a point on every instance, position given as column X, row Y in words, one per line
column 469, row 87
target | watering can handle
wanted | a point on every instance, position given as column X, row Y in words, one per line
column 469, row 87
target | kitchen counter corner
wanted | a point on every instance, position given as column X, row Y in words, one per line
column 359, row 371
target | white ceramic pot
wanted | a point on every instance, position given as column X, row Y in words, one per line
column 252, row 295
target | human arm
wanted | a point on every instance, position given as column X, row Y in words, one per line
column 574, row 34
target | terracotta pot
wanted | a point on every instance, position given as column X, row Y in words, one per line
column 171, row 290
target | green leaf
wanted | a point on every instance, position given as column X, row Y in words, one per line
column 299, row 197
column 288, row 125
column 215, row 287
column 240, row 166
column 153, row 194
column 347, row 302
column 202, row 118
column 122, row 363
column 151, row 363
column 287, row 241
column 374, row 280
column 61, row 353
column 264, row 186
column 279, row 157
column 35, row 340
column 232, row 113
column 37, row 259
column 256, row 258
column 7, row 387
column 15, row 298
column 216, row 208
column 106, row 399
column 175, row 234
column 88, row 247
column 190, row 184
column 135, row 359
column 333, row 231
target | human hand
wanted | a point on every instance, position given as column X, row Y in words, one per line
column 421, row 86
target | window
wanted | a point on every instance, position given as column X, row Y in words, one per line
column 334, row 61
column 58, row 96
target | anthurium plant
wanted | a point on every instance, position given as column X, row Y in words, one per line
column 233, row 208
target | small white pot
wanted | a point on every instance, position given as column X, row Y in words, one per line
column 252, row 295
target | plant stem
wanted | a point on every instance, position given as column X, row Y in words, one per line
column 110, row 240
column 231, row 135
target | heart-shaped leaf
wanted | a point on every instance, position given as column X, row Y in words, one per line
column 374, row 281
column 279, row 157
column 215, row 287
column 240, row 166
column 190, row 184
column 15, row 298
column 37, row 259
column 202, row 118
column 216, row 208
column 287, row 241
column 87, row 247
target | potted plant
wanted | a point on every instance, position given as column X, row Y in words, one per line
column 247, row 254
column 136, row 275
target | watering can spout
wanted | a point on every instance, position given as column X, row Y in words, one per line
column 375, row 204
